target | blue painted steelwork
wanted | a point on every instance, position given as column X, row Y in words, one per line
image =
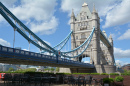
column 86, row 43
column 21, row 56
column 7, row 15
column 26, row 37
column 63, row 42
column 5, row 12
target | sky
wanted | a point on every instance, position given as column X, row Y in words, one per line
column 49, row 19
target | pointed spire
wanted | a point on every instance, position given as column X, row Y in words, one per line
column 104, row 33
column 110, row 37
column 84, row 4
column 94, row 10
column 72, row 14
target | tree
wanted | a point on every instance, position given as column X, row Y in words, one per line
column 11, row 69
column 52, row 69
column 57, row 69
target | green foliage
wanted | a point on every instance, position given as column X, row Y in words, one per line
column 52, row 69
column 104, row 74
column 82, row 73
column 49, row 69
column 25, row 70
column 108, row 80
column 126, row 72
column 114, row 74
column 67, row 73
column 87, row 73
column 57, row 69
column 119, row 78
column 11, row 69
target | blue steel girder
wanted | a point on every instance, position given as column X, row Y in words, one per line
column 14, row 26
column 5, row 13
column 84, row 46
column 18, row 56
column 104, row 39
column 63, row 42
column 2, row 7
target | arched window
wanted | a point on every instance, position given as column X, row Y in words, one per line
column 84, row 18
column 83, row 36
column 86, row 23
column 81, row 18
column 87, row 17
column 82, row 24
column 78, row 24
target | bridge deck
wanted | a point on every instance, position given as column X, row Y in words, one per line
column 17, row 56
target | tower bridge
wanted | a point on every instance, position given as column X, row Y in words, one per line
column 87, row 40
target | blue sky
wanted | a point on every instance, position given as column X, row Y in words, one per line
column 49, row 19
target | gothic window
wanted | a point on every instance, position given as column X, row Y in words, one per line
column 81, row 18
column 84, row 18
column 87, row 17
column 78, row 24
column 86, row 23
column 82, row 24
column 83, row 36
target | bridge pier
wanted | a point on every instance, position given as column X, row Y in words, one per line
column 98, row 69
column 77, row 70
column 105, row 68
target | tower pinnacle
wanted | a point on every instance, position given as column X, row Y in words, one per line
column 72, row 14
column 94, row 10
column 84, row 4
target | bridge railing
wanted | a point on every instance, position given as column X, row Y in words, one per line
column 48, row 58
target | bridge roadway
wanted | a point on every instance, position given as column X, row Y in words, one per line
column 17, row 56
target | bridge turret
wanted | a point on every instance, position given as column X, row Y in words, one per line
column 104, row 33
column 94, row 13
column 110, row 39
column 72, row 21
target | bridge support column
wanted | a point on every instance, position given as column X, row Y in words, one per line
column 77, row 70
column 105, row 68
column 65, row 70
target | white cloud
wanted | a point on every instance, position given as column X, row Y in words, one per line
column 26, row 49
column 118, row 15
column 117, row 28
column 119, row 53
column 4, row 43
column 9, row 3
column 126, row 35
column 37, row 13
column 45, row 27
column 86, row 61
column 47, row 42
column 116, row 12
column 120, row 63
column 38, row 10
column 68, row 5
column 101, row 20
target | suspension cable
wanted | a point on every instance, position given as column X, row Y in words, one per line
column 14, row 36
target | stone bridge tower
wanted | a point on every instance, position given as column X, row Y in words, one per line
column 82, row 25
